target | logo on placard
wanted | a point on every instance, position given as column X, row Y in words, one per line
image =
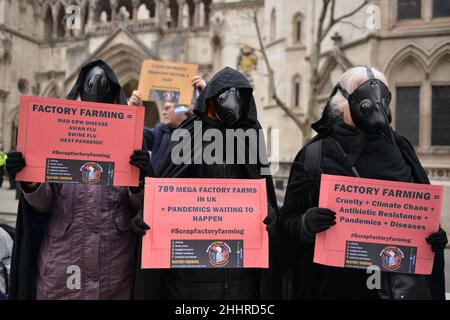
column 219, row 253
column 91, row 172
column 391, row 258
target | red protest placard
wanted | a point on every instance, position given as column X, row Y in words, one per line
column 205, row 223
column 70, row 141
column 381, row 223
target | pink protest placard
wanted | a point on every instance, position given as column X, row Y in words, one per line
column 205, row 223
column 381, row 223
column 72, row 141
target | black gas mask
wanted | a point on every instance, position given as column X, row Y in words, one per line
column 229, row 104
column 369, row 106
column 97, row 87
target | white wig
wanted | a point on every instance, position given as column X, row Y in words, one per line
column 350, row 81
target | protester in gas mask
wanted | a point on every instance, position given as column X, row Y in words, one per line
column 73, row 241
column 226, row 103
column 354, row 138
column 157, row 140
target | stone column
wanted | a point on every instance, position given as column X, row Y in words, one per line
column 84, row 12
column 4, row 4
column 425, row 123
column 201, row 11
column 55, row 23
column 135, row 4
column 181, row 5
column 92, row 15
column 114, row 4
column 197, row 13
column 157, row 17
column 164, row 5
column 427, row 10
column 66, row 30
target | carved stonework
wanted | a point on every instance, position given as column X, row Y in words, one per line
column 36, row 90
column 247, row 62
column 238, row 5
column 438, row 173
column 3, row 95
column 5, row 47
column 23, row 5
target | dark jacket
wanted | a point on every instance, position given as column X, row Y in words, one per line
column 222, row 283
column 158, row 140
column 54, row 230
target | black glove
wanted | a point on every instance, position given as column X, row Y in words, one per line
column 319, row 219
column 271, row 220
column 14, row 163
column 138, row 225
column 141, row 159
column 437, row 241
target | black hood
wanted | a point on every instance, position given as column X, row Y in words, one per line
column 226, row 78
column 74, row 93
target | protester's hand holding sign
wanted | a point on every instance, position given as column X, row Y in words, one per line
column 135, row 99
column 438, row 241
column 15, row 162
column 138, row 225
column 198, row 83
column 319, row 219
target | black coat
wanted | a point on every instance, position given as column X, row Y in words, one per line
column 303, row 279
column 31, row 225
column 218, row 283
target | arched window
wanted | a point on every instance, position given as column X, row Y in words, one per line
column 124, row 10
column 48, row 23
column 273, row 25
column 207, row 9
column 296, row 91
column 143, row 13
column 191, row 6
column 409, row 9
column 408, row 80
column 441, row 8
column 146, row 10
column 297, row 28
column 173, row 15
column 103, row 11
column 61, row 28
column 440, row 102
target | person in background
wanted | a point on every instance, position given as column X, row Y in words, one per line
column 6, row 247
column 172, row 115
column 12, row 176
column 2, row 166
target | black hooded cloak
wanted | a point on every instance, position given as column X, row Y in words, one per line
column 31, row 225
column 215, row 282
column 302, row 278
